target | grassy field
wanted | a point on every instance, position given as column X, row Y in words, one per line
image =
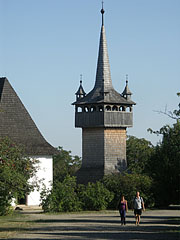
column 10, row 225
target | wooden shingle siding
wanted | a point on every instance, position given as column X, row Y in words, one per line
column 103, row 119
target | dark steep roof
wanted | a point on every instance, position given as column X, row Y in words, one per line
column 80, row 91
column 17, row 124
column 103, row 91
column 96, row 97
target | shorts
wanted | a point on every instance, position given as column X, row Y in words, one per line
column 137, row 211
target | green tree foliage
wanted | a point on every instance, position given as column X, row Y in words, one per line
column 94, row 196
column 164, row 166
column 64, row 164
column 139, row 152
column 15, row 171
column 128, row 185
column 72, row 197
column 165, row 162
column 66, row 196
column 62, row 197
column 176, row 112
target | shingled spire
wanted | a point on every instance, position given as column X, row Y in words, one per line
column 103, row 91
column 103, row 75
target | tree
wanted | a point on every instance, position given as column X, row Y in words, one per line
column 139, row 151
column 127, row 185
column 175, row 114
column 67, row 196
column 165, row 163
column 64, row 164
column 164, row 166
column 94, row 196
column 62, row 197
column 15, row 171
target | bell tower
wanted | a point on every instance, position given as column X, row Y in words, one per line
column 103, row 114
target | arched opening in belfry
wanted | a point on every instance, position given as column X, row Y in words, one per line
column 128, row 109
column 93, row 108
column 86, row 109
column 115, row 108
column 122, row 109
column 101, row 108
column 108, row 108
column 79, row 109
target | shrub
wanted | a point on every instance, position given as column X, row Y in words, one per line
column 15, row 171
column 94, row 196
column 62, row 197
column 128, row 185
column 67, row 197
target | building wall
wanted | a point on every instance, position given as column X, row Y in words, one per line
column 44, row 173
column 104, row 119
column 104, row 148
column 93, row 148
column 114, row 149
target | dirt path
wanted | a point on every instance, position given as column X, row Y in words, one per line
column 160, row 225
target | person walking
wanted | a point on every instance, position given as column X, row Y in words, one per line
column 138, row 206
column 123, row 208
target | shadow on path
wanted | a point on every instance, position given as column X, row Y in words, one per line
column 99, row 227
column 105, row 235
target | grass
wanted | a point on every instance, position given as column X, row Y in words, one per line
column 12, row 224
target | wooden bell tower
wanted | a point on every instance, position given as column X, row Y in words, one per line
column 103, row 114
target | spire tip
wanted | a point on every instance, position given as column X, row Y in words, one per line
column 80, row 78
column 102, row 12
column 126, row 78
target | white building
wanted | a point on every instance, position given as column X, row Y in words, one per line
column 17, row 124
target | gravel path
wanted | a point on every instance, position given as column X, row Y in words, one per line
column 159, row 224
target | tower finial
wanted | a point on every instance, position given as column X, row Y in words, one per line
column 102, row 12
column 126, row 78
column 81, row 78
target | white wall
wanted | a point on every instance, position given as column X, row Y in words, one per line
column 44, row 172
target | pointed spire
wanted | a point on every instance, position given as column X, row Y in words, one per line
column 127, row 93
column 103, row 75
column 80, row 92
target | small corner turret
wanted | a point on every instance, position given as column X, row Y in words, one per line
column 80, row 92
column 127, row 93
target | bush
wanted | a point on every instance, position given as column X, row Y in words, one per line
column 62, row 197
column 15, row 172
column 128, row 185
column 66, row 196
column 5, row 204
column 94, row 196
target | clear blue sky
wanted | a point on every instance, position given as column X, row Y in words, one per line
column 46, row 44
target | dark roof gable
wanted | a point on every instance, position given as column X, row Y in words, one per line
column 17, row 124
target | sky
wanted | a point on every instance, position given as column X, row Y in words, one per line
column 45, row 45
